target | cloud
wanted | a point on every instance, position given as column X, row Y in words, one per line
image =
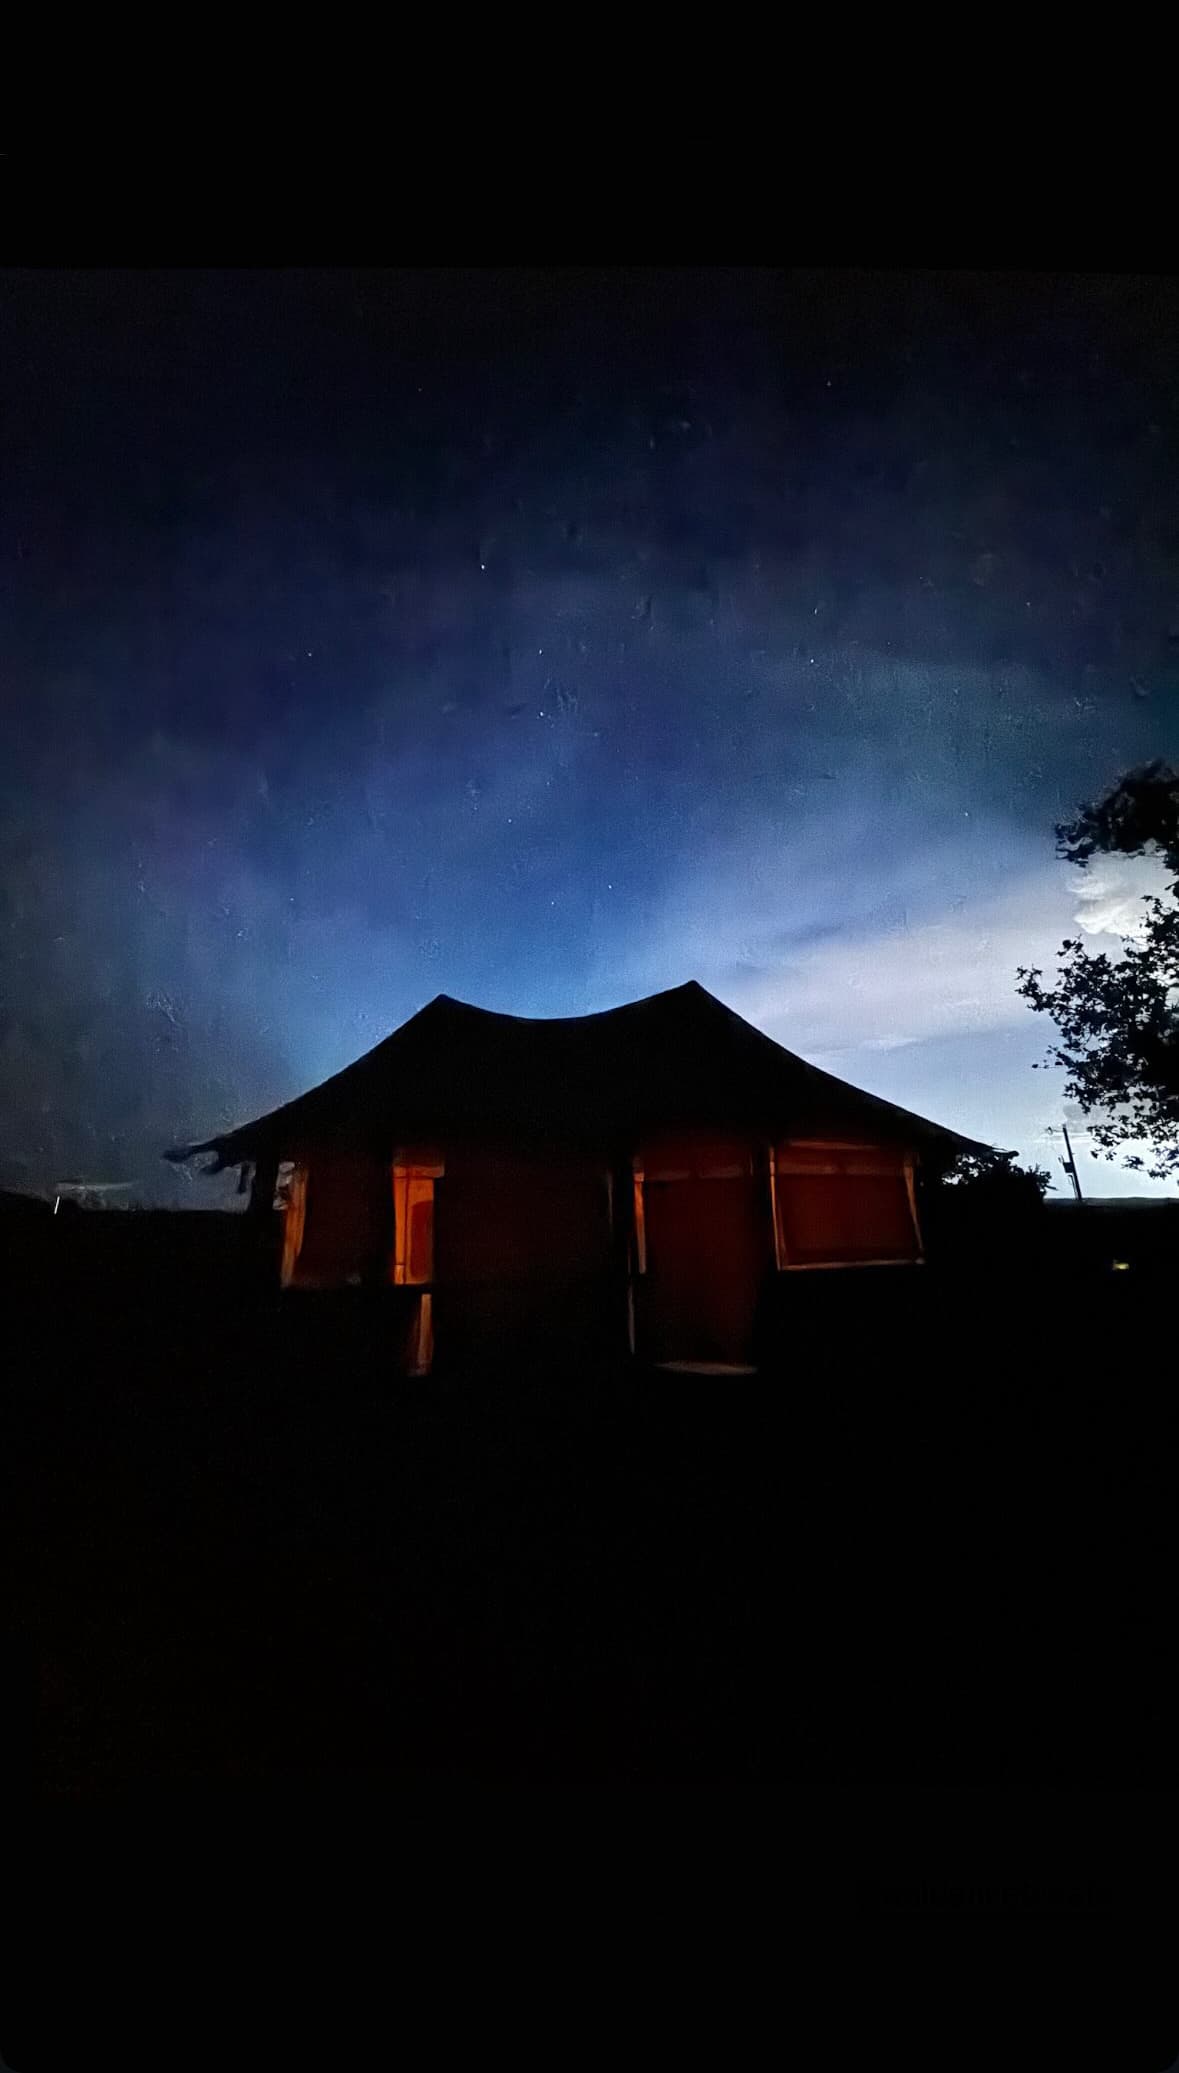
column 914, row 995
column 951, row 973
column 1110, row 897
column 930, row 949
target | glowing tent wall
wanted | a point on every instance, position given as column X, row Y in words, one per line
column 523, row 1244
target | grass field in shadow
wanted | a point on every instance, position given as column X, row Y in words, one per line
column 931, row 1541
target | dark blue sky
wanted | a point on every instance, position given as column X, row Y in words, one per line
column 545, row 639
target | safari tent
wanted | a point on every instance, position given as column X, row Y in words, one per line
column 635, row 1178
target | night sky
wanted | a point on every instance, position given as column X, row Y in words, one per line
column 548, row 639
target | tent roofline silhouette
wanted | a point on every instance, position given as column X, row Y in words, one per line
column 674, row 1058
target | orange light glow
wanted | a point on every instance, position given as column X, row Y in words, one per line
column 413, row 1224
column 640, row 1223
column 291, row 1198
column 421, row 1348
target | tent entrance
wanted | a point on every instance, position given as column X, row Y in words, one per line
column 523, row 1252
column 705, row 1244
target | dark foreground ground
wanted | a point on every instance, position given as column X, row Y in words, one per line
column 936, row 1546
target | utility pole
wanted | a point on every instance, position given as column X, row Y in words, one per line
column 1070, row 1165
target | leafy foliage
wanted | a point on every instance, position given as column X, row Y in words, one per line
column 1118, row 1017
column 981, row 1206
column 995, row 1176
column 1141, row 811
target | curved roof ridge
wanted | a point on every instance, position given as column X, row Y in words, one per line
column 645, row 1000
column 454, row 1065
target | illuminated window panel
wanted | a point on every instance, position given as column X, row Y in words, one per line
column 415, row 1169
column 413, row 1215
column 844, row 1206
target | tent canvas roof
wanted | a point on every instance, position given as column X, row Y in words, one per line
column 676, row 1058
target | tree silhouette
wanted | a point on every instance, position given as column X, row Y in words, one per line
column 982, row 1207
column 995, row 1175
column 1118, row 1017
